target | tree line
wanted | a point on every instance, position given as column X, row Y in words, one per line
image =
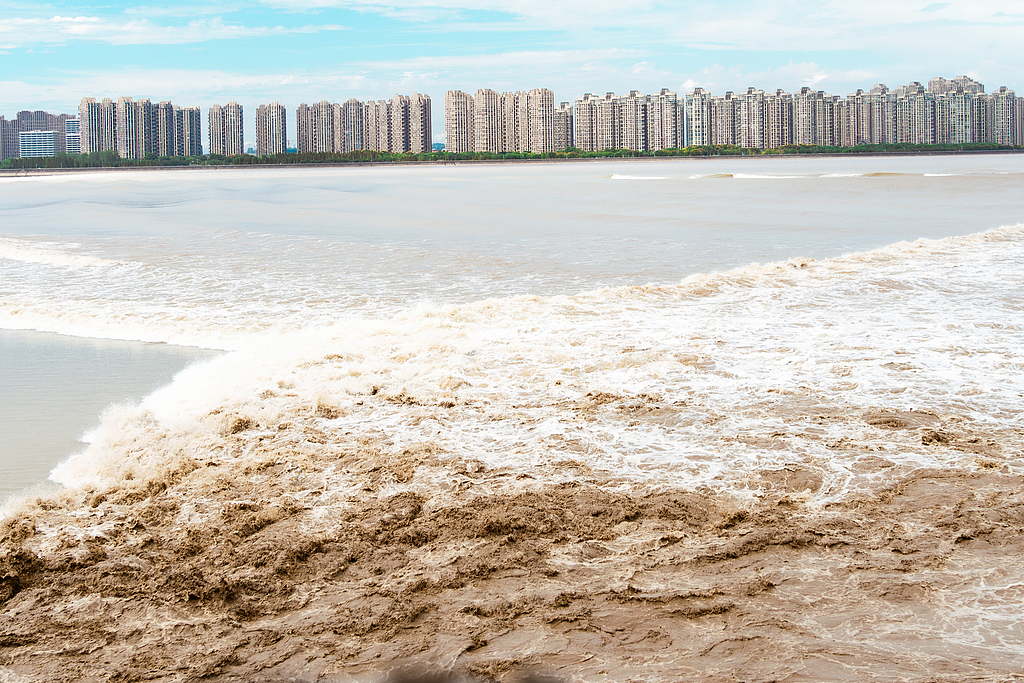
column 111, row 159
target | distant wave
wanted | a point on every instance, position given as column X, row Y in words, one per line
column 887, row 174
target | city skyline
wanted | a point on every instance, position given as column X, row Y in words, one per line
column 294, row 51
column 958, row 111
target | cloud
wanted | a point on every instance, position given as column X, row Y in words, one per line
column 183, row 10
column 936, row 6
column 23, row 32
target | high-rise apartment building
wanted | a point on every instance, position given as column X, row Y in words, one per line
column 780, row 119
column 398, row 132
column 164, row 128
column 399, row 125
column 506, row 122
column 488, row 122
column 563, row 136
column 1000, row 115
column 188, row 126
column 698, row 118
column 271, row 129
column 752, row 119
column 226, row 129
column 315, row 128
column 130, row 127
column 27, row 122
column 540, row 115
column 8, row 139
column 632, row 119
column 635, row 121
column 1018, row 120
column 585, row 119
column 724, row 113
column 459, row 122
column 953, row 111
column 352, row 126
column 137, row 128
column 98, row 125
column 421, row 132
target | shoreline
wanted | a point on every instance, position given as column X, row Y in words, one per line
column 29, row 172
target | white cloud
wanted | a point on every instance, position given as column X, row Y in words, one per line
column 22, row 32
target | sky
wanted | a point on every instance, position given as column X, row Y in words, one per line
column 292, row 51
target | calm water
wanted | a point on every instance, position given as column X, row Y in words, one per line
column 53, row 389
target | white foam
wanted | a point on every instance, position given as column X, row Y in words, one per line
column 49, row 254
column 754, row 176
column 732, row 355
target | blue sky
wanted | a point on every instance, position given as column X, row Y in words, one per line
column 292, row 51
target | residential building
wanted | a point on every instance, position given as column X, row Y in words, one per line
column 271, row 129
column 698, row 118
column 9, row 139
column 421, row 133
column 956, row 111
column 635, row 121
column 752, row 119
column 31, row 121
column 608, row 124
column 724, row 114
column 135, row 128
column 459, row 122
column 352, row 125
column 72, row 136
column 780, row 119
column 227, row 129
column 36, row 143
column 315, row 127
column 1002, row 117
column 488, row 122
column 585, row 121
column 188, row 132
column 563, row 127
column 505, row 122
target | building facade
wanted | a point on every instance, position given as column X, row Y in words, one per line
column 400, row 125
column 525, row 121
column 36, row 143
column 28, row 122
column 226, row 129
column 137, row 128
column 635, row 121
column 956, row 111
column 72, row 136
column 271, row 129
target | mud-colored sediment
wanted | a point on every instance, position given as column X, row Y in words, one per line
column 265, row 568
